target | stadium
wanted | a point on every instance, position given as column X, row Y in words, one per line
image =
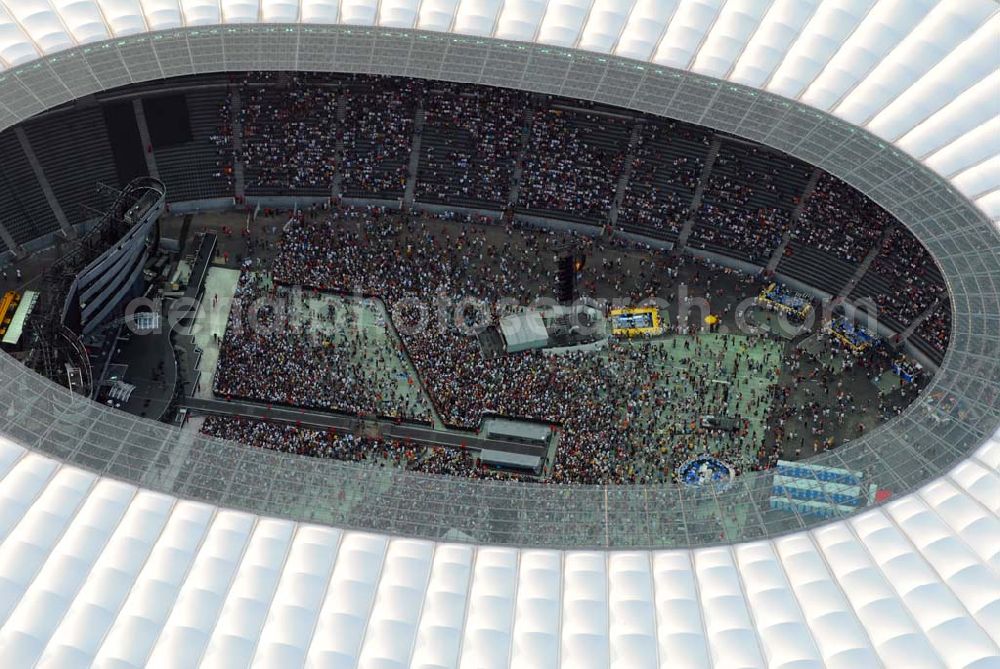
column 439, row 333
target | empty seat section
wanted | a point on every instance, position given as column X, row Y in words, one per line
column 192, row 170
column 73, row 149
column 13, row 216
column 815, row 268
column 19, row 179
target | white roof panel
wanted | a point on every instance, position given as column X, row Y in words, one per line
column 358, row 12
column 319, row 11
column 778, row 29
column 944, row 29
column 45, row 25
column 729, row 36
column 519, row 19
column 833, row 22
column 885, row 26
column 686, row 32
column 967, row 65
column 398, row 13
column 201, row 12
column 279, row 11
column 162, row 14
column 644, row 28
column 115, row 576
column 476, row 17
column 605, row 24
column 124, row 17
column 563, row 21
column 536, row 615
column 83, row 19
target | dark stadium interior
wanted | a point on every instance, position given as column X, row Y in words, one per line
column 394, row 175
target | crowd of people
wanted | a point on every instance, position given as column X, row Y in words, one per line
column 378, row 134
column 293, row 139
column 812, row 400
column 471, row 142
column 628, row 414
column 350, row 447
column 300, row 134
column 936, row 328
column 281, row 346
column 289, row 141
column 753, row 233
column 667, row 162
column 840, row 221
column 573, row 162
column 298, row 440
column 914, row 281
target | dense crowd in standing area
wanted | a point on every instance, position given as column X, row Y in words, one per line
column 573, row 162
column 812, row 399
column 606, row 406
column 329, row 444
column 278, row 348
column 298, row 440
column 471, row 142
column 841, row 221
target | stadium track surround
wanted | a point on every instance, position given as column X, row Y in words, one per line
column 902, row 455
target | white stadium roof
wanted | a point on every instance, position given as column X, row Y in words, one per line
column 95, row 571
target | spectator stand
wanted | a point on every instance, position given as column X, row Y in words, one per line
column 378, row 134
column 747, row 202
column 666, row 167
column 470, row 145
column 932, row 335
column 903, row 280
column 574, row 160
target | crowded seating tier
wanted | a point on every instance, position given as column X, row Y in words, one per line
column 573, row 162
column 666, row 166
column 932, row 335
column 840, row 221
column 902, row 281
column 470, row 145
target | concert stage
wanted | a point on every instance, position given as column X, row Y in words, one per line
column 146, row 363
column 557, row 329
